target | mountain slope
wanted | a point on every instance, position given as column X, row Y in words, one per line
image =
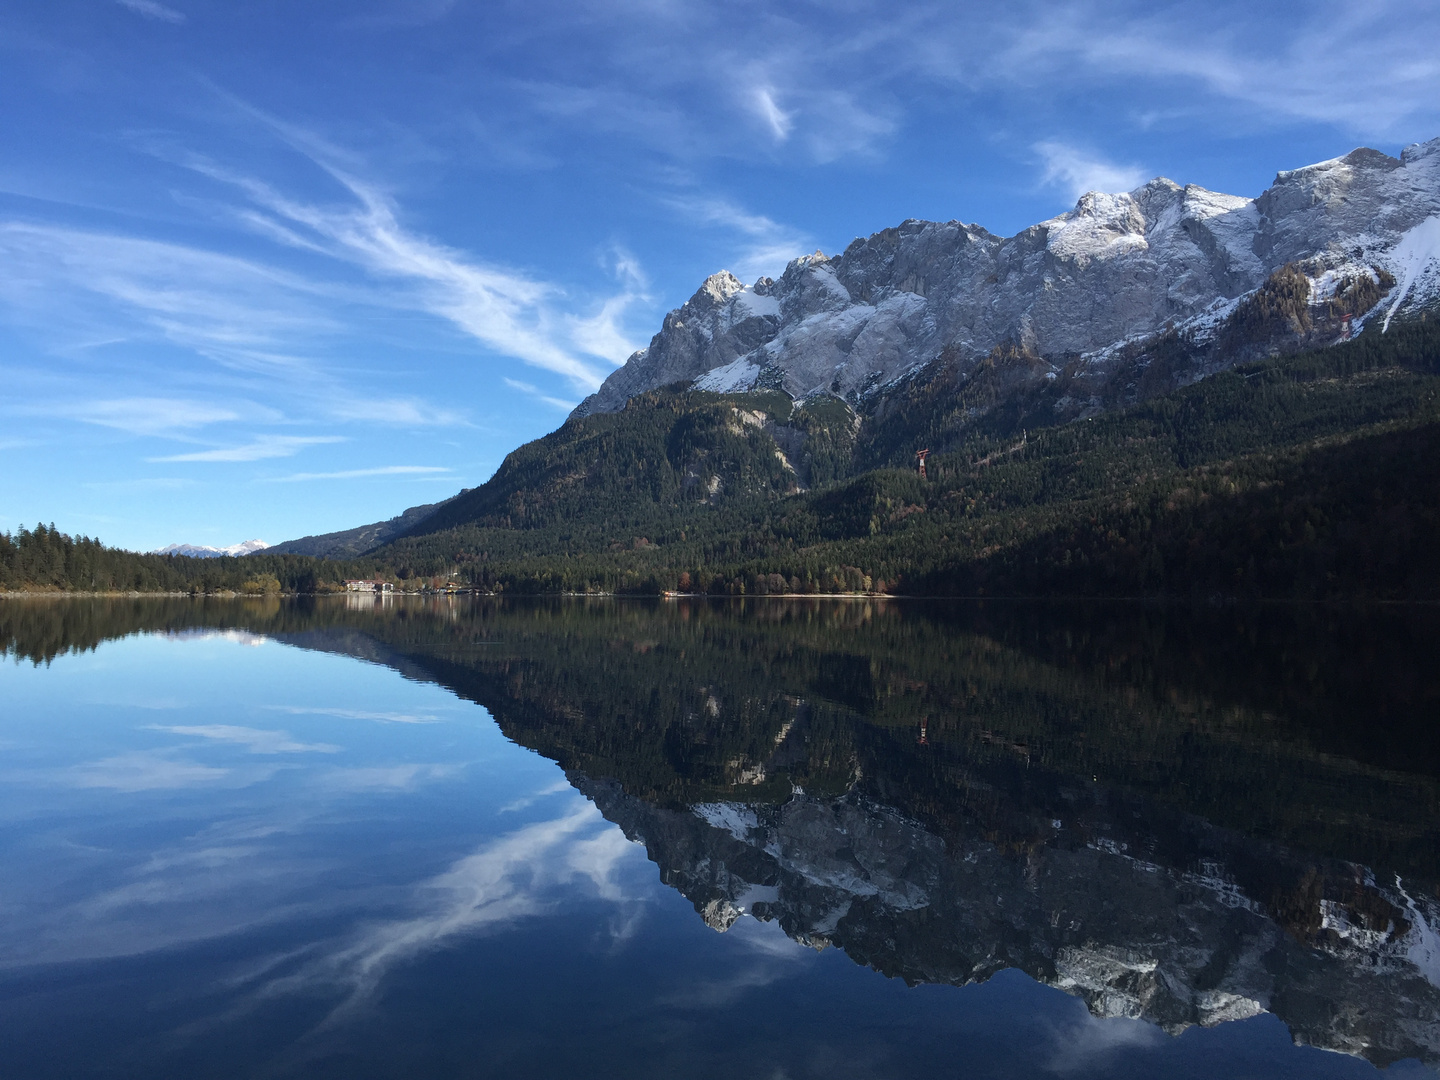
column 348, row 543
column 1313, row 475
column 1076, row 293
column 666, row 453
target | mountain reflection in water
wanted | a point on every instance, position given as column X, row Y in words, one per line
column 1185, row 816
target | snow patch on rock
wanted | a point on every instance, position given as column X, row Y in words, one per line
column 732, row 378
column 1417, row 256
column 735, row 818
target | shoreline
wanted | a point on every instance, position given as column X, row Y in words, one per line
column 1216, row 601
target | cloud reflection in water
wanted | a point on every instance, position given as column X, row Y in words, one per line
column 516, row 876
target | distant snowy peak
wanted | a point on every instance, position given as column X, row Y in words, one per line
column 201, row 551
column 1112, row 270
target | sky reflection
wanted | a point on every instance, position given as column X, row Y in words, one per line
column 235, row 857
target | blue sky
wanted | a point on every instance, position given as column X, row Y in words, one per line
column 288, row 266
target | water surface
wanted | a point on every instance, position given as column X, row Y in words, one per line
column 462, row 837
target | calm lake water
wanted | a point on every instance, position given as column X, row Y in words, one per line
column 774, row 839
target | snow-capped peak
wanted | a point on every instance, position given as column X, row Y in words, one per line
column 203, row 551
column 1116, row 268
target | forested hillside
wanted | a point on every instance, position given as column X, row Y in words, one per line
column 1316, row 475
column 45, row 559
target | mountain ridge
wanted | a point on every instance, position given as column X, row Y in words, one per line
column 348, row 543
column 204, row 551
column 1076, row 289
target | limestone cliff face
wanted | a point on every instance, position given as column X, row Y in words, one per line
column 1350, row 965
column 1113, row 270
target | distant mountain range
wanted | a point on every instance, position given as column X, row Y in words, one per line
column 203, row 551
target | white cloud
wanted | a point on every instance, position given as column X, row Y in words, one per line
column 779, row 121
column 828, row 81
column 509, row 312
column 1089, row 1045
column 239, row 312
column 147, row 415
column 690, row 81
column 151, row 10
column 388, row 777
column 144, row 771
column 238, row 637
column 1077, row 171
column 356, row 714
column 255, row 740
column 535, row 392
column 506, row 880
column 1370, row 68
column 383, row 409
column 351, row 474
column 262, row 448
column 767, row 245
column 529, row 800
column 259, row 320
column 604, row 334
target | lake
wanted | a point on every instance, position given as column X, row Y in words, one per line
column 461, row 836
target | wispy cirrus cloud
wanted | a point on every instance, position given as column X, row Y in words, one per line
column 606, row 333
column 512, row 878
column 358, row 714
column 152, row 10
column 526, row 801
column 261, row 321
column 755, row 81
column 255, row 740
column 776, row 119
column 1077, row 171
column 1368, row 68
column 144, row 771
column 691, row 81
column 238, row 311
column 512, row 313
column 535, row 392
column 144, row 415
column 406, row 777
column 765, row 245
column 1094, row 1042
column 434, row 471
column 398, row 411
column 260, row 449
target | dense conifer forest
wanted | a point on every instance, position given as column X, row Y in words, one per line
column 1314, row 476
column 44, row 559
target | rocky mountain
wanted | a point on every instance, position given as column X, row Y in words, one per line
column 1260, row 372
column 1085, row 298
column 201, row 551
